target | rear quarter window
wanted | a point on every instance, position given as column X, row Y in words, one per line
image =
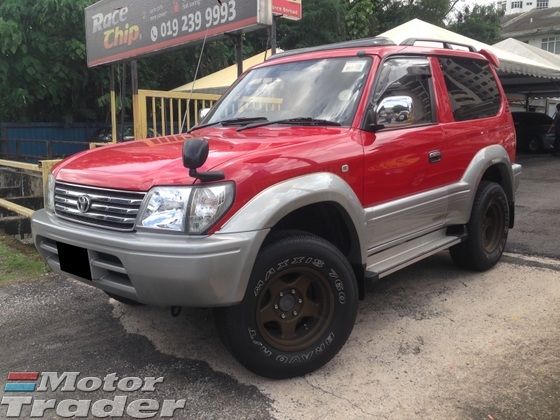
column 472, row 88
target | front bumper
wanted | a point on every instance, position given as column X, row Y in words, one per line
column 152, row 268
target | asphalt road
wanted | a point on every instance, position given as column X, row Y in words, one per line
column 431, row 342
column 537, row 225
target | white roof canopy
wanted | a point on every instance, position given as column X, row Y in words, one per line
column 518, row 71
column 529, row 51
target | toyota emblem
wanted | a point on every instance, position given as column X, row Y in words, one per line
column 84, row 203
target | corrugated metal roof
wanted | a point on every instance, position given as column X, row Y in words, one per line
column 534, row 22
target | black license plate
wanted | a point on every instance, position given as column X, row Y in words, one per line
column 74, row 260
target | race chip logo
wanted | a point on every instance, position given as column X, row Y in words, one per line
column 18, row 403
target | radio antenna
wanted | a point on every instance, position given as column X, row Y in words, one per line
column 195, row 78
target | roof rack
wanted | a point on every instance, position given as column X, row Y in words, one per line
column 451, row 45
column 356, row 43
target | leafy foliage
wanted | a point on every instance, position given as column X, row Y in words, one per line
column 323, row 22
column 43, row 76
column 397, row 12
column 361, row 19
column 478, row 22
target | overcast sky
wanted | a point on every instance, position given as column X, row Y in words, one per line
column 465, row 2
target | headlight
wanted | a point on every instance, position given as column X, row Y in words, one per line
column 185, row 209
column 49, row 193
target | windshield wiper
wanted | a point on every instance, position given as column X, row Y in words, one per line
column 294, row 121
column 232, row 121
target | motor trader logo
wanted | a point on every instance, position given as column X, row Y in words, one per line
column 84, row 203
column 19, row 404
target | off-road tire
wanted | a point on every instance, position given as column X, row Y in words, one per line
column 487, row 229
column 298, row 311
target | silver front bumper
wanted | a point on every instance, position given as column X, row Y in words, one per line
column 152, row 268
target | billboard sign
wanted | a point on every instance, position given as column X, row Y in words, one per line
column 289, row 9
column 118, row 30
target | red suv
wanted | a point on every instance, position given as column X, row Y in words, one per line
column 318, row 171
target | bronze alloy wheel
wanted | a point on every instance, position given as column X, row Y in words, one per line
column 295, row 309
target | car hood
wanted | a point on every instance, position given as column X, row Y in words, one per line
column 141, row 164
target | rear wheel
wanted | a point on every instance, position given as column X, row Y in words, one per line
column 298, row 311
column 487, row 229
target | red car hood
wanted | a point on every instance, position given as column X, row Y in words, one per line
column 139, row 165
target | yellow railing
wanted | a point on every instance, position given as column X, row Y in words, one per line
column 169, row 112
column 43, row 166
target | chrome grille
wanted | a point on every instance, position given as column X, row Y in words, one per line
column 110, row 209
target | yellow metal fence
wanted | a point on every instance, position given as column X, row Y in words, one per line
column 168, row 112
column 43, row 166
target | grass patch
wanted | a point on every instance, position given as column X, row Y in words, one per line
column 19, row 262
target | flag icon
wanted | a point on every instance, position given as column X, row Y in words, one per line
column 15, row 384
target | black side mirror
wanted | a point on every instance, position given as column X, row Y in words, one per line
column 371, row 119
column 195, row 153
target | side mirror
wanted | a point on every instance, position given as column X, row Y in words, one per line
column 195, row 153
column 394, row 111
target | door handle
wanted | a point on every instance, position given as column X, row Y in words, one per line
column 434, row 156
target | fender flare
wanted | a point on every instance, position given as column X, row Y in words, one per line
column 494, row 155
column 275, row 202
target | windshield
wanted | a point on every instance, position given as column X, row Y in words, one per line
column 325, row 89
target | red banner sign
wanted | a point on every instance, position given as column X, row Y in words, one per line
column 289, row 9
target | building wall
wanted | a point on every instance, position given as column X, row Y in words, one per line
column 521, row 6
column 545, row 40
column 549, row 42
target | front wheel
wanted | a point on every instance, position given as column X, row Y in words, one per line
column 298, row 311
column 487, row 229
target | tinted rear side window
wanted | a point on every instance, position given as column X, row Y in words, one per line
column 471, row 87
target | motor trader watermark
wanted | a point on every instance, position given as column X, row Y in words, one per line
column 19, row 383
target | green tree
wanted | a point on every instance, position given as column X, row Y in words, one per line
column 478, row 22
column 322, row 22
column 362, row 18
column 43, row 76
column 396, row 12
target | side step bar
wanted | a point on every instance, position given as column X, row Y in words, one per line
column 407, row 253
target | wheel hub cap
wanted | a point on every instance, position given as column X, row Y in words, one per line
column 286, row 303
